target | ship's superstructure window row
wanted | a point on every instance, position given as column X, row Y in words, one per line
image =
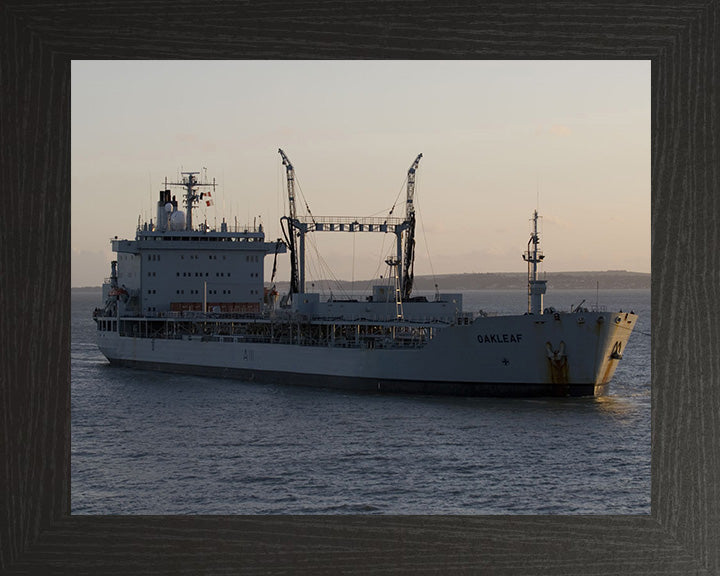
column 205, row 274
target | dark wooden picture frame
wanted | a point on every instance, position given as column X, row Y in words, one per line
column 38, row 41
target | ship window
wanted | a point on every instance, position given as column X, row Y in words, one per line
column 177, row 273
column 182, row 257
column 228, row 274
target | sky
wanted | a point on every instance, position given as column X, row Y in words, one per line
column 499, row 139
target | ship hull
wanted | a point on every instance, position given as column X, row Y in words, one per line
column 510, row 356
column 373, row 385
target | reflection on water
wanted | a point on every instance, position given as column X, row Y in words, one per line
column 615, row 406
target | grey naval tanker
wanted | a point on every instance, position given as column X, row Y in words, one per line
column 185, row 297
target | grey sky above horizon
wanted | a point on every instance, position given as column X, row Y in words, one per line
column 498, row 139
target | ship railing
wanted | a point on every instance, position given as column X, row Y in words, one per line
column 197, row 315
column 235, row 228
column 387, row 320
column 139, row 329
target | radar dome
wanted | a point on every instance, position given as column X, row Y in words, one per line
column 177, row 220
column 168, row 207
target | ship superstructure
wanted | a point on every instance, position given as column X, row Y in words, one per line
column 184, row 297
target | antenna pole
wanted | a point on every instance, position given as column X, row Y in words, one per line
column 533, row 256
column 597, row 295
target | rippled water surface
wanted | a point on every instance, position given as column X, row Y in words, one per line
column 153, row 443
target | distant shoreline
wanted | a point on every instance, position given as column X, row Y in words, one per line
column 605, row 280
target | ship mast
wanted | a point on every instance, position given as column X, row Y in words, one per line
column 533, row 256
column 191, row 184
column 409, row 250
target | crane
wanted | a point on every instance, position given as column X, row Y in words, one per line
column 292, row 222
column 409, row 248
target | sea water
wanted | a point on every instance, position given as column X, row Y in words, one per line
column 153, row 443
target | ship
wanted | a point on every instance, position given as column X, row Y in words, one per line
column 186, row 297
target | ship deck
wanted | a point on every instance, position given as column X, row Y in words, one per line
column 326, row 332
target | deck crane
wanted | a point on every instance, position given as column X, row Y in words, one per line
column 409, row 248
column 292, row 224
